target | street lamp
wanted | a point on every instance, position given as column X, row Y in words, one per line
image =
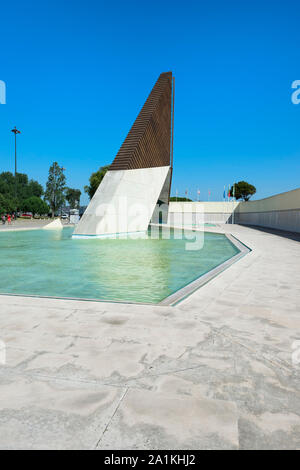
column 15, row 131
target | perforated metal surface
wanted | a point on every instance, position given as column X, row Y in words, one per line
column 148, row 141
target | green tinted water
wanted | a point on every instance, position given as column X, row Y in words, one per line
column 51, row 263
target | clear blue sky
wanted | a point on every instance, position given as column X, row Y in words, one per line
column 77, row 73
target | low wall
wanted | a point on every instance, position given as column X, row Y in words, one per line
column 281, row 212
column 201, row 212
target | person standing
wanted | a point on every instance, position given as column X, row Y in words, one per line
column 3, row 219
column 9, row 219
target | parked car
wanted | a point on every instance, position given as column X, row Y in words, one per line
column 64, row 216
column 27, row 215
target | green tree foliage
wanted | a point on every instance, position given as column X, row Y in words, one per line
column 7, row 206
column 243, row 190
column 95, row 180
column 16, row 189
column 55, row 188
column 7, row 184
column 73, row 197
column 35, row 205
column 35, row 189
column 180, row 199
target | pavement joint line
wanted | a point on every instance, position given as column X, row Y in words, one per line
column 111, row 418
column 237, row 335
column 282, row 364
column 53, row 378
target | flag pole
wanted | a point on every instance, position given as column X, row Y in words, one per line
column 233, row 197
column 16, row 131
column 224, row 205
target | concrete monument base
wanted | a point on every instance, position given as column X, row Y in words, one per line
column 124, row 202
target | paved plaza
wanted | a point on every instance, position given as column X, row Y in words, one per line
column 217, row 371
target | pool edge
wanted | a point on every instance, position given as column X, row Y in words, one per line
column 183, row 293
column 173, row 299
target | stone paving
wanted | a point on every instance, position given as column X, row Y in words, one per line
column 26, row 224
column 218, row 371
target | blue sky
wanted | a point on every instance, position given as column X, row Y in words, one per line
column 77, row 73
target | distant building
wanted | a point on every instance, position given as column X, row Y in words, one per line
column 74, row 216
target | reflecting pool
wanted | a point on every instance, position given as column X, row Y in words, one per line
column 51, row 263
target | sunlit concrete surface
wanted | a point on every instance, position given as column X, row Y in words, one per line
column 24, row 224
column 55, row 224
column 218, row 371
column 28, row 224
column 124, row 202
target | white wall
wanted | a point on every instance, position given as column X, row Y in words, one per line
column 201, row 212
column 281, row 211
column 123, row 203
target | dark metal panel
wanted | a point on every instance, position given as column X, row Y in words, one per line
column 148, row 142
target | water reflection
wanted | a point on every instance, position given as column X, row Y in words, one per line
column 142, row 270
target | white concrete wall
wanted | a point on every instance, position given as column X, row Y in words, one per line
column 201, row 212
column 160, row 213
column 123, row 203
column 54, row 225
column 283, row 201
column 281, row 211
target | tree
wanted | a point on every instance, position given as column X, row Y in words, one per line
column 55, row 188
column 35, row 205
column 35, row 189
column 7, row 183
column 73, row 197
column 95, row 180
column 243, row 190
column 7, row 205
column 180, row 199
column 18, row 188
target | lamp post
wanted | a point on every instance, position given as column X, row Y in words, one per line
column 16, row 131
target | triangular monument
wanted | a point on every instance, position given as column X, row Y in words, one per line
column 136, row 188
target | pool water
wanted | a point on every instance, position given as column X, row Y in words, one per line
column 51, row 263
